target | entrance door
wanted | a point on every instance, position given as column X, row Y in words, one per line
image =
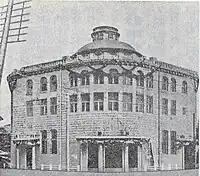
column 189, row 156
column 29, row 157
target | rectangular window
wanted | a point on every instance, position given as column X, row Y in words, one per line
column 43, row 107
column 113, row 104
column 29, row 108
column 149, row 105
column 73, row 103
column 54, row 141
column 165, row 142
column 165, row 106
column 184, row 110
column 139, row 103
column 44, row 142
column 53, row 105
column 173, row 142
column 85, row 102
column 98, row 101
column 173, row 107
column 98, row 79
column 127, row 102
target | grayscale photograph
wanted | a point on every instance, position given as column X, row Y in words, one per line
column 99, row 88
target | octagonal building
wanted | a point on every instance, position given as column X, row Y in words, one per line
column 106, row 108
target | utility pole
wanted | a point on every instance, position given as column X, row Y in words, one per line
column 12, row 24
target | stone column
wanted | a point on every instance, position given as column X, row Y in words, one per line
column 17, row 157
column 100, row 157
column 183, row 157
column 140, row 165
column 126, row 162
column 84, row 157
column 33, row 157
column 25, row 158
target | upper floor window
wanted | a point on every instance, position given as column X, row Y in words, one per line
column 140, row 79
column 113, row 77
column 44, row 142
column 184, row 87
column 127, row 102
column 165, row 83
column 127, row 80
column 165, row 141
column 53, row 105
column 98, row 78
column 184, row 110
column 54, row 141
column 43, row 107
column 29, row 108
column 73, row 80
column 43, row 84
column 173, row 142
column 173, row 107
column 149, row 106
column 85, row 102
column 73, row 103
column 29, row 87
column 98, row 101
column 85, row 78
column 149, row 82
column 165, row 106
column 113, row 104
column 110, row 36
column 173, row 85
column 139, row 103
column 100, row 36
column 53, row 83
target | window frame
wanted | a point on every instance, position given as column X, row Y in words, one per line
column 43, row 84
column 165, row 83
column 149, row 104
column 165, row 106
column 53, row 107
column 44, row 141
column 165, row 142
column 173, row 84
column 29, row 87
column 98, row 102
column 85, row 103
column 173, row 107
column 29, row 108
column 113, row 104
column 43, row 107
column 73, row 103
column 139, row 106
column 184, row 87
column 127, row 102
column 54, row 144
column 53, row 83
column 140, row 79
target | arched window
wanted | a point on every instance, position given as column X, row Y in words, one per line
column 29, row 87
column 184, row 87
column 140, row 79
column 149, row 81
column 165, row 83
column 43, row 84
column 53, row 83
column 85, row 79
column 127, row 80
column 73, row 80
column 113, row 77
column 98, row 78
column 173, row 85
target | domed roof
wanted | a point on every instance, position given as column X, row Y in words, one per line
column 106, row 44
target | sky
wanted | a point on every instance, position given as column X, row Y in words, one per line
column 166, row 30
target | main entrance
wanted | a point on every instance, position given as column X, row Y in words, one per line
column 113, row 153
column 29, row 157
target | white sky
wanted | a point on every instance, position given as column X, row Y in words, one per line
column 166, row 30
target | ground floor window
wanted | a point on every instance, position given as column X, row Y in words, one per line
column 113, row 155
column 133, row 156
column 92, row 155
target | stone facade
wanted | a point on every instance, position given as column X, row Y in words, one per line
column 115, row 123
